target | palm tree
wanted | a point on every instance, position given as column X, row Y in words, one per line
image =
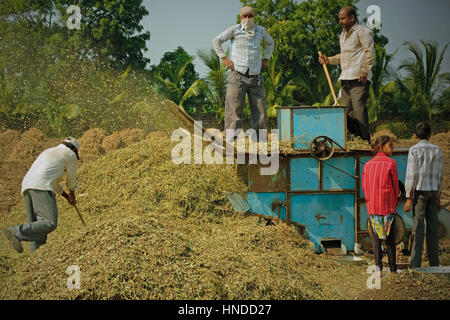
column 424, row 82
column 169, row 82
column 276, row 94
column 214, row 85
column 381, row 72
column 314, row 91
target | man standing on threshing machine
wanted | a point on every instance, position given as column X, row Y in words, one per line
column 39, row 187
column 356, row 59
column 246, row 68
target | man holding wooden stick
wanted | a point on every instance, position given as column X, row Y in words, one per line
column 39, row 188
column 356, row 59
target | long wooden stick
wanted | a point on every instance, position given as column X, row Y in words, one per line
column 329, row 80
column 79, row 215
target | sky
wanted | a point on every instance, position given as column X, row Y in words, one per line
column 193, row 24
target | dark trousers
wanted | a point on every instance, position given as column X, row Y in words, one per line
column 354, row 94
column 425, row 210
column 390, row 244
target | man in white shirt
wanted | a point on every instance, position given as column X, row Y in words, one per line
column 39, row 188
column 356, row 59
column 423, row 184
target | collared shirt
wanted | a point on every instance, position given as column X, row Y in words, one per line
column 424, row 168
column 380, row 185
column 246, row 50
column 49, row 168
column 357, row 53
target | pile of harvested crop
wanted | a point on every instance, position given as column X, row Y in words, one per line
column 112, row 142
column 91, row 144
column 94, row 143
column 156, row 230
column 384, row 132
column 157, row 134
column 31, row 144
column 130, row 136
column 123, row 139
column 8, row 139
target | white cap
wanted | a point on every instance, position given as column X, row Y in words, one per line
column 73, row 141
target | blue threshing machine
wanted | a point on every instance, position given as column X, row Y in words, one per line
column 318, row 185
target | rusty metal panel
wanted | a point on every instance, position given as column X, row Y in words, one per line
column 268, row 183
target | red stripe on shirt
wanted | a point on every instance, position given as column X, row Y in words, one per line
column 380, row 185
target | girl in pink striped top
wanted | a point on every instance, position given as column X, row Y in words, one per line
column 381, row 190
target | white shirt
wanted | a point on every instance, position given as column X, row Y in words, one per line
column 424, row 168
column 49, row 168
column 357, row 53
column 246, row 50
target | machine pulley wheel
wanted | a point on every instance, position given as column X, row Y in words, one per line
column 322, row 148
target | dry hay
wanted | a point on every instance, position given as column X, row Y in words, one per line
column 125, row 138
column 130, row 136
column 356, row 143
column 31, row 144
column 156, row 230
column 8, row 138
column 11, row 175
column 91, row 144
column 112, row 142
column 384, row 132
column 157, row 135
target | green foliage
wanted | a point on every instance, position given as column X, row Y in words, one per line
column 110, row 31
column 424, row 81
column 170, row 80
column 311, row 90
column 381, row 72
column 276, row 94
column 214, row 87
column 45, row 84
column 300, row 30
column 168, row 70
column 400, row 129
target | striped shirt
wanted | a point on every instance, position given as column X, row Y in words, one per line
column 424, row 168
column 357, row 53
column 246, row 51
column 380, row 185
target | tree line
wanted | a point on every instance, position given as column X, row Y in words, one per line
column 98, row 74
